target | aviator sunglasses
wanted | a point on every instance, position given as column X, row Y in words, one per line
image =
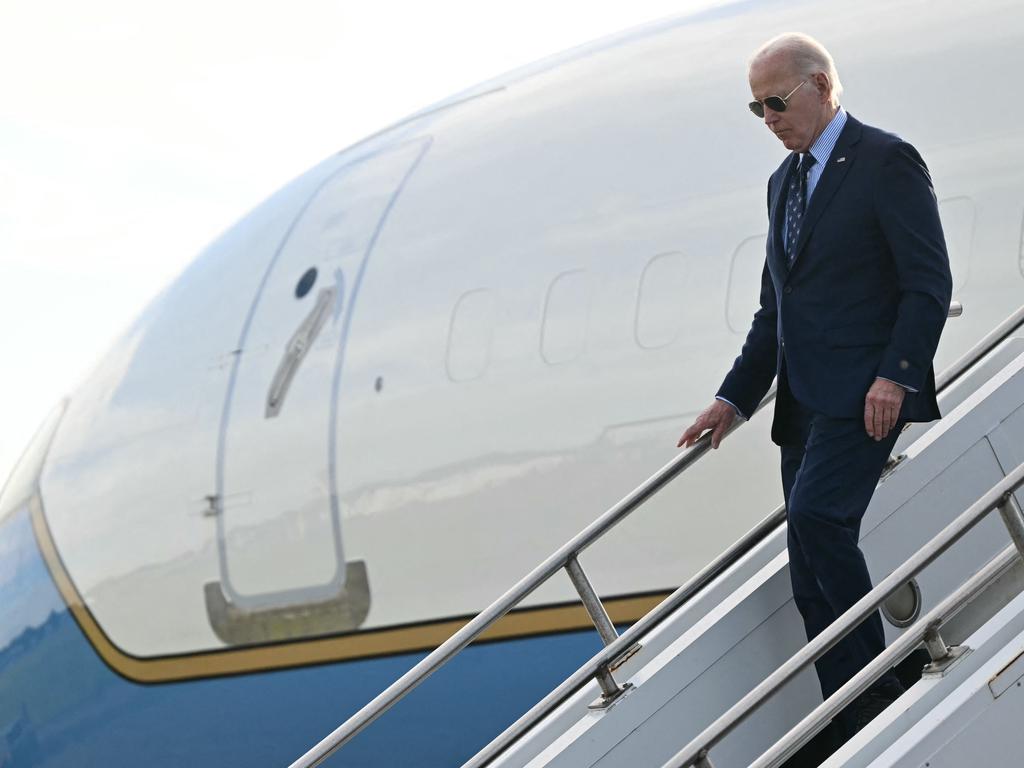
column 775, row 103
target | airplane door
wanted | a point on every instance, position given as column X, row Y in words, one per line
column 279, row 529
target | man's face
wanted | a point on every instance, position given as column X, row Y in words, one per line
column 807, row 110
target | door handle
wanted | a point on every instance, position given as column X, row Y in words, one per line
column 296, row 349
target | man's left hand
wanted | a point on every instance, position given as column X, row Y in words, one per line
column 882, row 407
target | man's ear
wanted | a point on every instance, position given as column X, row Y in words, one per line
column 823, row 85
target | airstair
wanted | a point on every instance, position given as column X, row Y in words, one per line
column 720, row 673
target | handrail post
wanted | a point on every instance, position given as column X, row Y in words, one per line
column 943, row 656
column 591, row 601
column 703, row 761
column 937, row 648
column 1013, row 520
column 610, row 690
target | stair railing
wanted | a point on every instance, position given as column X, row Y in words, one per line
column 925, row 630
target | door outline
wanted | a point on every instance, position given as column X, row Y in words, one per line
column 343, row 602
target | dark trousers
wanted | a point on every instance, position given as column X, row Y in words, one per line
column 830, row 468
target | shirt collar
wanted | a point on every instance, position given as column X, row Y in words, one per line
column 822, row 148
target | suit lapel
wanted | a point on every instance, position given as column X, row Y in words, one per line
column 832, row 176
column 778, row 214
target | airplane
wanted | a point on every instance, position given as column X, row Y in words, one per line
column 408, row 376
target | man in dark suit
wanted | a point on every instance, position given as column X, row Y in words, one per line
column 854, row 294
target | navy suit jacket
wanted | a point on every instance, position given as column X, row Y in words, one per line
column 868, row 292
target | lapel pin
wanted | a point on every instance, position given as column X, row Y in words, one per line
column 841, row 160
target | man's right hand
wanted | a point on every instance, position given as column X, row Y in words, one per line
column 717, row 417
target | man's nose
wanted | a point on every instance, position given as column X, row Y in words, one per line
column 770, row 116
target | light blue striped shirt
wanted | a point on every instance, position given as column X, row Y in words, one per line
column 821, row 149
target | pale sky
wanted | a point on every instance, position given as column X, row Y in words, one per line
column 133, row 133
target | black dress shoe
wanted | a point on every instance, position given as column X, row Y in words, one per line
column 873, row 702
column 819, row 749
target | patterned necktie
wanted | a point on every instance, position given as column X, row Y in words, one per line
column 796, row 202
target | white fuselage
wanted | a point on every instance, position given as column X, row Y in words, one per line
column 524, row 296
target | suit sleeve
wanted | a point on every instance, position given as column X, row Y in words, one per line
column 908, row 214
column 753, row 371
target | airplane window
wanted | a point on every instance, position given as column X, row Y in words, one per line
column 957, row 214
column 305, row 283
column 744, row 283
column 661, row 308
column 566, row 316
column 470, row 335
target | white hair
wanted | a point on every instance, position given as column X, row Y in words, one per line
column 808, row 56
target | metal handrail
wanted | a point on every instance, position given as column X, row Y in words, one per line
column 561, row 559
column 991, row 340
column 903, row 646
column 696, row 752
column 483, row 620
